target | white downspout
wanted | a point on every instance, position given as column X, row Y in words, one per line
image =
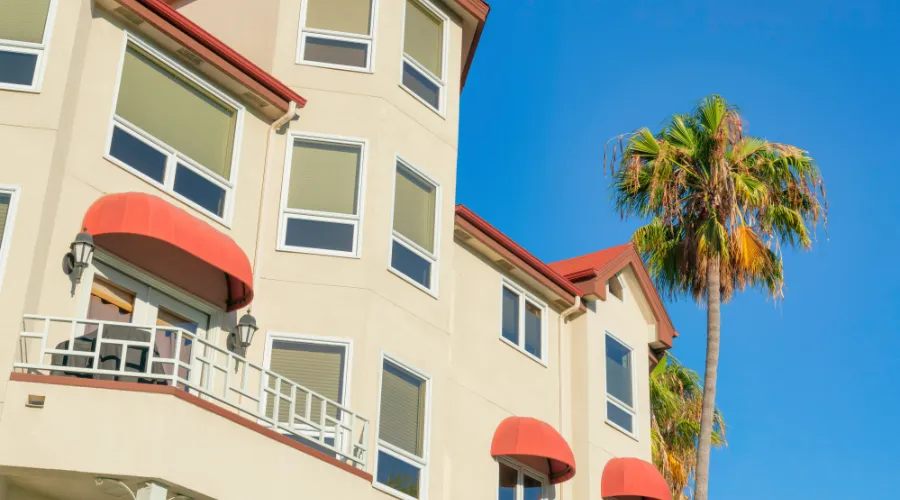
column 273, row 129
column 562, row 319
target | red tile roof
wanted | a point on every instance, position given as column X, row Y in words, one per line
column 581, row 266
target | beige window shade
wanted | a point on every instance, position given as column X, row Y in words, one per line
column 345, row 16
column 176, row 112
column 414, row 206
column 23, row 20
column 319, row 368
column 5, row 200
column 402, row 422
column 423, row 38
column 114, row 294
column 324, row 177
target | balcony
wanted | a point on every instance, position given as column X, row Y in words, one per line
column 187, row 363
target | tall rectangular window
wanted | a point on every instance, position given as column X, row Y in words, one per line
column 522, row 320
column 337, row 33
column 317, row 366
column 402, row 430
column 424, row 48
column 24, row 33
column 414, row 250
column 9, row 197
column 620, row 408
column 175, row 131
column 321, row 195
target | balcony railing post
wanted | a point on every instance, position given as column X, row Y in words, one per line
column 176, row 366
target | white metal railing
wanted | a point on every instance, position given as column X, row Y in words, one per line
column 166, row 355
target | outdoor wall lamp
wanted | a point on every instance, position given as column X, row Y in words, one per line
column 79, row 257
column 242, row 336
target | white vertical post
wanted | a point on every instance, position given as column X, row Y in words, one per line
column 152, row 491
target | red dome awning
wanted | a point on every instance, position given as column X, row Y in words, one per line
column 168, row 242
column 535, row 444
column 633, row 477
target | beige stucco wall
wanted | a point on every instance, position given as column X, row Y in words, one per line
column 453, row 337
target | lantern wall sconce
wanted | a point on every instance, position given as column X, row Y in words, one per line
column 239, row 340
column 81, row 251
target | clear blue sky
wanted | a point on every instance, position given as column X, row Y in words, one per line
column 808, row 386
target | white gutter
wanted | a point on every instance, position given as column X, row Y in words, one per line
column 563, row 316
column 273, row 129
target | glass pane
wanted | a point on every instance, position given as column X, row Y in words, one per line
column 423, row 37
column 533, row 325
column 303, row 233
column 411, row 264
column 510, row 316
column 138, row 155
column 176, row 112
column 324, row 177
column 509, row 479
column 402, row 410
column 16, row 68
column 619, row 416
column 414, row 206
column 23, row 20
column 415, row 81
column 345, row 16
column 200, row 190
column 325, row 50
column 398, row 474
column 618, row 371
column 5, row 200
column 533, row 488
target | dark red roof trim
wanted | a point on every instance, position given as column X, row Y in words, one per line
column 480, row 9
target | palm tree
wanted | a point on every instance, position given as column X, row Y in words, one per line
column 676, row 401
column 721, row 206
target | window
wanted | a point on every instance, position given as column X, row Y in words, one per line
column 620, row 409
column 402, row 431
column 414, row 246
column 337, row 33
column 424, row 50
column 175, row 131
column 9, row 197
column 616, row 288
column 320, row 200
column 522, row 323
column 518, row 483
column 317, row 365
column 24, row 34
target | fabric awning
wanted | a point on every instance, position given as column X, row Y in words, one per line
column 174, row 245
column 536, row 444
column 633, row 477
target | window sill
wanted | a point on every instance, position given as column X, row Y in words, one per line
column 392, row 492
column 523, row 352
column 313, row 251
column 30, row 89
column 623, row 431
column 339, row 67
column 432, row 293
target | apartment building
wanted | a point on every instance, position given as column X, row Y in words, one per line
column 232, row 266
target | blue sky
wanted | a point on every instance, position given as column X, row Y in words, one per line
column 807, row 384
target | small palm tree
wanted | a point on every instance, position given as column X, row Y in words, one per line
column 676, row 402
column 721, row 205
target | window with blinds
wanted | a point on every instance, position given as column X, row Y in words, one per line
column 337, row 33
column 24, row 30
column 620, row 409
column 319, row 368
column 7, row 207
column 321, row 200
column 401, row 430
column 174, row 130
column 522, row 319
column 424, row 39
column 413, row 252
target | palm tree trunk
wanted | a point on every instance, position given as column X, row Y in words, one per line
column 713, row 330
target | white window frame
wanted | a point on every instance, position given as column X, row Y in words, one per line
column 420, row 463
column 439, row 80
column 344, row 343
column 13, row 192
column 525, row 297
column 173, row 156
column 520, row 484
column 617, row 277
column 368, row 40
column 433, row 258
column 38, row 49
column 631, row 410
column 286, row 213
